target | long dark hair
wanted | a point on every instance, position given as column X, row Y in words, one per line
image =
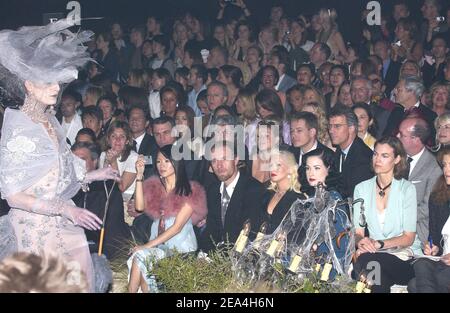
column 441, row 192
column 182, row 185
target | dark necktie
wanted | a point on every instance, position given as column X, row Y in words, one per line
column 343, row 155
column 224, row 206
column 409, row 160
column 135, row 145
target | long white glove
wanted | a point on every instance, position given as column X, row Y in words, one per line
column 55, row 207
column 105, row 173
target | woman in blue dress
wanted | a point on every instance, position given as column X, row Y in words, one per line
column 175, row 205
column 391, row 217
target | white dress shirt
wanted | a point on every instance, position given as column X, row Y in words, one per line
column 71, row 129
column 230, row 187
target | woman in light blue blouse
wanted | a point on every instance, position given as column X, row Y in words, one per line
column 391, row 215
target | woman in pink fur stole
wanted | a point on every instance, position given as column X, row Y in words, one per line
column 175, row 205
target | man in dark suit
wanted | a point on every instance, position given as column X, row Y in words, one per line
column 280, row 60
column 407, row 94
column 143, row 143
column 352, row 154
column 117, row 232
column 304, row 129
column 232, row 200
column 391, row 68
column 433, row 70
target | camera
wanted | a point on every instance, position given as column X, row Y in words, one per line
column 440, row 18
column 148, row 160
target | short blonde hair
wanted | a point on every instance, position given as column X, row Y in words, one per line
column 289, row 159
column 444, row 118
column 25, row 272
column 438, row 85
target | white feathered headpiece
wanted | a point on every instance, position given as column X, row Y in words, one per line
column 46, row 54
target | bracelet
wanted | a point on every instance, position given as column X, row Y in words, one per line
column 139, row 180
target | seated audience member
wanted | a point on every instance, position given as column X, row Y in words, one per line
column 442, row 126
column 85, row 135
column 269, row 103
column 423, row 170
column 323, row 135
column 391, row 218
column 71, row 120
column 268, row 140
column 320, row 168
column 117, row 232
column 284, row 189
column 176, row 205
column 366, row 123
column 92, row 118
column 440, row 97
column 352, row 154
column 408, row 93
column 434, row 276
column 143, row 143
column 108, row 106
column 231, row 200
column 120, row 156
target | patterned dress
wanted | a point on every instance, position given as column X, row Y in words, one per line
column 38, row 176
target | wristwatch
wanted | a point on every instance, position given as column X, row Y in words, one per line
column 381, row 242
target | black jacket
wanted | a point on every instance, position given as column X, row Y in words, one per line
column 117, row 232
column 439, row 214
column 356, row 167
column 257, row 218
column 246, row 198
column 392, row 75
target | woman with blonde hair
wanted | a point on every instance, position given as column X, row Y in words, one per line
column 442, row 126
column 312, row 94
column 137, row 78
column 440, row 97
column 283, row 190
column 268, row 139
column 246, row 108
column 330, row 35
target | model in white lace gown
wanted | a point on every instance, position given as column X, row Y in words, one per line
column 38, row 173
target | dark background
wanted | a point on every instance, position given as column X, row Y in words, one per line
column 14, row 13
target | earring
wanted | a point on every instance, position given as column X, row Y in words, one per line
column 289, row 176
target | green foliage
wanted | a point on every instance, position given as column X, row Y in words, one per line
column 187, row 273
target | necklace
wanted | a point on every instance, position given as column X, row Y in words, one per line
column 381, row 192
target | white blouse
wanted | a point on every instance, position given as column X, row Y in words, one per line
column 129, row 165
